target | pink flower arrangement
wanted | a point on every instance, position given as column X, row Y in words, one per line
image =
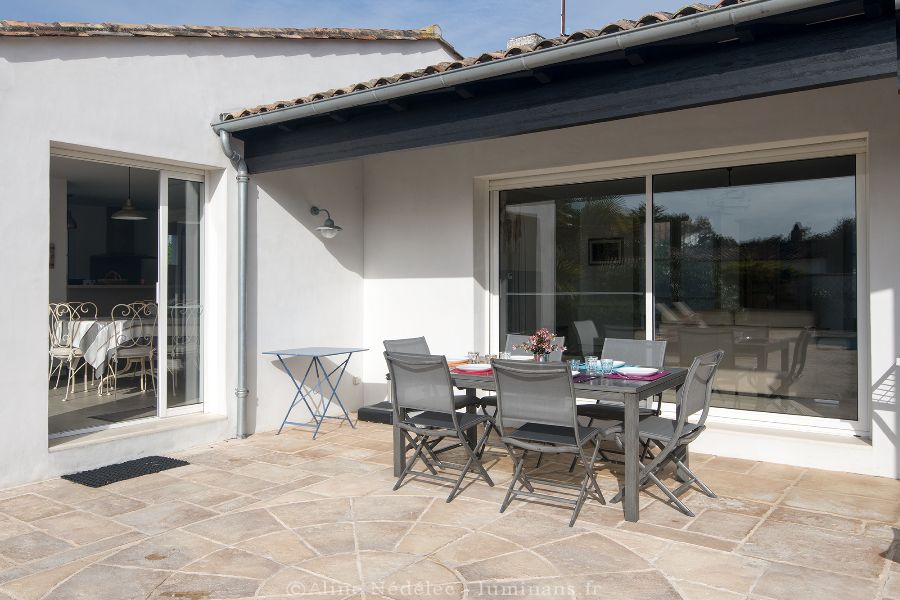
column 540, row 343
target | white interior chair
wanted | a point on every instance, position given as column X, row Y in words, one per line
column 135, row 331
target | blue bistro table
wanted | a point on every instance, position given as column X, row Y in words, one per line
column 323, row 376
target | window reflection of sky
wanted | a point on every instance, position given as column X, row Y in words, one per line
column 750, row 212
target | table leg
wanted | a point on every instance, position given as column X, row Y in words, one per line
column 399, row 450
column 785, row 352
column 299, row 392
column 472, row 432
column 334, row 395
column 632, row 459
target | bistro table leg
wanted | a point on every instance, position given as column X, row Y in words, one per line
column 632, row 459
column 472, row 432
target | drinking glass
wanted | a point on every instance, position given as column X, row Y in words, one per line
column 592, row 364
column 472, row 356
column 606, row 366
column 574, row 364
column 504, row 356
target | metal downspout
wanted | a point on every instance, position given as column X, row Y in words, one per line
column 243, row 179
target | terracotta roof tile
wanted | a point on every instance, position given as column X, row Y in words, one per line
column 577, row 36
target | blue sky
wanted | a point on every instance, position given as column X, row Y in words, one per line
column 471, row 25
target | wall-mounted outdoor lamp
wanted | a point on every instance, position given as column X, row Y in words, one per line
column 328, row 229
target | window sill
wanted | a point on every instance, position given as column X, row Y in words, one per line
column 135, row 431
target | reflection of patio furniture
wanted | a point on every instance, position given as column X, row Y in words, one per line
column 694, row 341
column 541, row 398
column 425, row 412
column 671, row 436
column 761, row 348
column 587, row 336
column 183, row 333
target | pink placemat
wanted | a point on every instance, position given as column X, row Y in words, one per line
column 653, row 377
column 484, row 372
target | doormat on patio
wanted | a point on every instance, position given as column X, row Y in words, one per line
column 127, row 415
column 127, row 470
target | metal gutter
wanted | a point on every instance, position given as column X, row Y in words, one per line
column 647, row 34
column 243, row 178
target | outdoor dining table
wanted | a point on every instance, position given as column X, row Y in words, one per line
column 630, row 392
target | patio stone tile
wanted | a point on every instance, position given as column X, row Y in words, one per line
column 304, row 480
column 474, row 547
column 231, row 481
column 424, row 578
column 332, row 466
column 660, row 513
column 236, row 527
column 281, row 459
column 390, row 508
column 111, row 505
column 127, row 485
column 349, row 484
column 211, row 497
column 217, row 460
column 677, row 535
column 292, row 582
column 851, row 483
column 314, row 512
column 171, row 550
column 380, row 535
column 697, row 501
column 291, row 497
column 80, row 527
column 93, row 549
column 237, row 503
column 637, row 585
column 35, row 586
column 738, row 485
column 30, row 507
column 269, row 472
column 425, row 538
column 330, row 538
column 717, row 569
column 816, row 519
column 812, row 547
column 10, row 527
column 549, row 588
column 94, row 583
column 337, row 567
column 580, row 554
column 179, row 489
column 723, row 524
column 775, row 471
column 157, row 518
column 235, row 563
column 189, row 585
column 462, row 512
column 507, row 566
column 285, row 443
column 891, row 589
column 528, row 527
column 283, row 547
column 375, row 566
column 882, row 530
column 787, row 582
column 67, row 492
column 734, row 465
column 860, row 507
column 647, row 547
column 696, row 591
column 31, row 546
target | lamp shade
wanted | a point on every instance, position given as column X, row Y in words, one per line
column 129, row 212
column 328, row 229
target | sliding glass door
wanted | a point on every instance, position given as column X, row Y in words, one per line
column 759, row 260
column 572, row 260
column 180, row 290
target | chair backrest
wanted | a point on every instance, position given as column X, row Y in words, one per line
column 694, row 396
column 420, row 382
column 513, row 339
column 183, row 329
column 643, row 353
column 587, row 336
column 407, row 346
column 799, row 359
column 534, row 392
column 694, row 341
column 138, row 327
column 83, row 310
column 60, row 329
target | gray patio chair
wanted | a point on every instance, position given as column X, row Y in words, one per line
column 407, row 346
column 425, row 410
column 542, row 399
column 672, row 436
column 644, row 353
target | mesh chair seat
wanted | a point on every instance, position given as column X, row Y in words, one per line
column 611, row 412
column 659, row 429
column 444, row 420
column 552, row 434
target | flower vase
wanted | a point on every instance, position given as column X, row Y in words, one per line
column 541, row 358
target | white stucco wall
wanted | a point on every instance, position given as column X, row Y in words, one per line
column 146, row 98
column 423, row 237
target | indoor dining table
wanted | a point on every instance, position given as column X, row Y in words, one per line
column 630, row 392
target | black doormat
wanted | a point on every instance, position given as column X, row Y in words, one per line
column 127, row 415
column 127, row 470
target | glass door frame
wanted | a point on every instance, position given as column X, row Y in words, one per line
column 855, row 145
column 162, row 295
